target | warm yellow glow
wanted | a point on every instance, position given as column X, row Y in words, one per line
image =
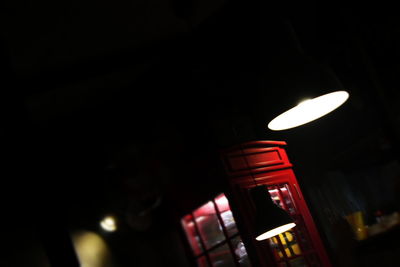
column 275, row 231
column 308, row 110
column 109, row 224
column 289, row 244
column 91, row 249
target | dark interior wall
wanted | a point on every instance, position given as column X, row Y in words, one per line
column 24, row 241
column 108, row 119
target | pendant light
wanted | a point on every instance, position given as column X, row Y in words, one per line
column 299, row 90
column 271, row 220
column 308, row 110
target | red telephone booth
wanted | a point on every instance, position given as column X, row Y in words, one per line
column 266, row 163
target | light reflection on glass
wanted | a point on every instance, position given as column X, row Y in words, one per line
column 240, row 252
column 208, row 224
column 191, row 234
column 226, row 214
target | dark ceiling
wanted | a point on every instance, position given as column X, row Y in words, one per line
column 105, row 109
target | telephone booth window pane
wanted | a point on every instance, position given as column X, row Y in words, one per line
column 281, row 195
column 202, row 262
column 273, row 191
column 222, row 257
column 287, row 199
column 208, row 224
column 226, row 214
column 240, row 252
column 286, row 241
column 191, row 234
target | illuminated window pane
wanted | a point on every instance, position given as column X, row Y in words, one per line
column 281, row 196
column 286, row 241
column 240, row 252
column 274, row 192
column 226, row 214
column 191, row 233
column 287, row 199
column 209, row 227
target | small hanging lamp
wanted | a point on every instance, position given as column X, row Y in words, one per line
column 307, row 91
column 271, row 220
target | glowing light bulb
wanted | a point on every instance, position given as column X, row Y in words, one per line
column 109, row 224
column 304, row 102
column 276, row 231
column 308, row 110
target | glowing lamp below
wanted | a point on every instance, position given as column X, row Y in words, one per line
column 270, row 219
column 308, row 111
column 109, row 224
column 276, row 231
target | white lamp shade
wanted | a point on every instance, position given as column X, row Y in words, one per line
column 308, row 110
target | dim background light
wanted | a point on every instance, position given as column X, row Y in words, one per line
column 91, row 249
column 109, row 224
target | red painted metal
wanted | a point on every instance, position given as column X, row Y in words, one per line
column 266, row 163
